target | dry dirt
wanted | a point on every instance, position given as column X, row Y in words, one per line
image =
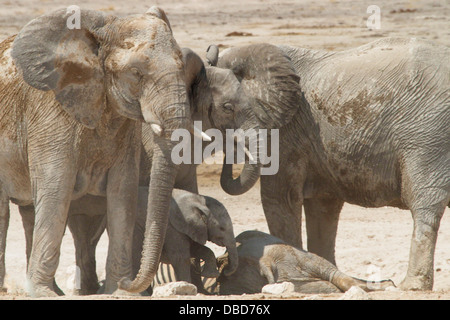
column 367, row 238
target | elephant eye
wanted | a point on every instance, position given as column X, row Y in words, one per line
column 136, row 73
column 228, row 107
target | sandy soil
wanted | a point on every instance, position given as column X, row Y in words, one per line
column 368, row 239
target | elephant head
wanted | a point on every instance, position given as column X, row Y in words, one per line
column 251, row 87
column 202, row 219
column 130, row 66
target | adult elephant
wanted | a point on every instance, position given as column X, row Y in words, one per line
column 72, row 103
column 372, row 129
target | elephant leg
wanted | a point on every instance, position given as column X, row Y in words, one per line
column 427, row 195
column 321, row 217
column 122, row 205
column 27, row 214
column 209, row 269
column 182, row 268
column 420, row 274
column 196, row 275
column 86, row 231
column 4, row 223
column 268, row 269
column 282, row 200
column 53, row 191
column 187, row 178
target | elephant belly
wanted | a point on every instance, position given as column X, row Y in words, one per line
column 370, row 182
column 371, row 191
column 91, row 181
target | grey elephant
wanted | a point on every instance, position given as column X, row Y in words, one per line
column 193, row 220
column 371, row 127
column 265, row 259
column 72, row 104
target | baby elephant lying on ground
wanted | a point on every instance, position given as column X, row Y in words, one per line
column 265, row 259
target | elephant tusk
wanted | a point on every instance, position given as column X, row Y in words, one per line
column 200, row 133
column 249, row 154
column 156, row 129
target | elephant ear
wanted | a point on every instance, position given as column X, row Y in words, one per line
column 269, row 80
column 189, row 215
column 159, row 13
column 196, row 81
column 52, row 56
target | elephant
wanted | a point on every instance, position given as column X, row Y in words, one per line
column 265, row 259
column 193, row 220
column 371, row 128
column 73, row 101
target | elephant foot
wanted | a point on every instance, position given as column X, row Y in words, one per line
column 40, row 291
column 111, row 288
column 417, row 283
column 58, row 291
column 3, row 290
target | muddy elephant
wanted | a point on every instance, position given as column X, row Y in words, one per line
column 72, row 104
column 370, row 128
column 265, row 259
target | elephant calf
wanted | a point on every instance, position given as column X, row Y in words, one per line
column 265, row 259
column 193, row 220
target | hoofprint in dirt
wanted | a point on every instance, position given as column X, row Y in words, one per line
column 370, row 243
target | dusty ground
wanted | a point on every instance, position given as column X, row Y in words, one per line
column 367, row 238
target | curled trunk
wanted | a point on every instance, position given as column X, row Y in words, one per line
column 246, row 180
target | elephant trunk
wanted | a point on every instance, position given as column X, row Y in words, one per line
column 162, row 179
column 246, row 180
column 252, row 169
column 233, row 259
column 169, row 109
